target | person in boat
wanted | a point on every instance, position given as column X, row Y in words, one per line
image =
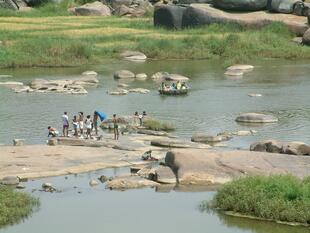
column 95, row 122
column 183, row 86
column 115, row 128
column 88, row 125
column 178, row 85
column 53, row 132
column 75, row 124
column 173, row 86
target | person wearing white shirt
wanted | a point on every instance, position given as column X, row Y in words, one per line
column 65, row 123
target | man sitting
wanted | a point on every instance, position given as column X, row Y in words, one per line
column 52, row 132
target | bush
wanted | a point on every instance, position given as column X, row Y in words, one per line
column 15, row 206
column 157, row 125
column 279, row 197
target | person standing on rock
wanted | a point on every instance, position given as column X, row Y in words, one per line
column 75, row 125
column 65, row 123
column 95, row 122
column 115, row 127
column 88, row 125
column 81, row 122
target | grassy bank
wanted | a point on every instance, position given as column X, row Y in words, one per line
column 15, row 206
column 30, row 39
column 279, row 198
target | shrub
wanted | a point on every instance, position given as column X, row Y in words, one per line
column 278, row 197
column 15, row 206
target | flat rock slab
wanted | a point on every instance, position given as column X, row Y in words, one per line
column 130, row 182
column 173, row 143
column 202, row 14
column 256, row 118
column 133, row 56
column 197, row 166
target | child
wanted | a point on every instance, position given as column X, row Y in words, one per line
column 75, row 125
column 88, row 125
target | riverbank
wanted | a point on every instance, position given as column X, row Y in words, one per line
column 72, row 41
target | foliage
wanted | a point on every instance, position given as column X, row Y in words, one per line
column 15, row 206
column 158, row 125
column 277, row 197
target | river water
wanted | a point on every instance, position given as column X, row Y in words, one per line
column 79, row 208
column 211, row 107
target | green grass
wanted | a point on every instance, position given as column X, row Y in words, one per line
column 15, row 206
column 279, row 198
column 37, row 39
column 156, row 125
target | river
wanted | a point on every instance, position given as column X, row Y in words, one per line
column 211, row 106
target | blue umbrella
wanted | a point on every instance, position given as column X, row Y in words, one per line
column 101, row 115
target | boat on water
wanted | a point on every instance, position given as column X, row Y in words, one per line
column 173, row 91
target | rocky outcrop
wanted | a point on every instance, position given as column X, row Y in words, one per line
column 273, row 146
column 13, row 4
column 169, row 16
column 93, row 9
column 256, row 118
column 205, row 14
column 165, row 76
column 282, row 6
column 306, row 38
column 192, row 166
column 241, row 5
column 133, row 56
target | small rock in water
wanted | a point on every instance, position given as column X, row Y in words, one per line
column 48, row 187
column 93, row 182
column 20, row 186
column 139, row 90
column 241, row 68
column 243, row 133
column 256, row 118
column 255, row 95
column 124, row 74
column 133, row 56
column 118, row 92
column 103, row 178
column 122, row 85
column 90, row 73
column 19, row 142
column 234, row 73
column 141, row 77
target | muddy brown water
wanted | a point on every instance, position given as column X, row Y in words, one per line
column 211, row 106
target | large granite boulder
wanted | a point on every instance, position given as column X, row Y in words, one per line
column 124, row 74
column 13, row 4
column 169, row 16
column 241, row 5
column 282, row 6
column 130, row 182
column 256, row 118
column 273, row 146
column 94, row 8
column 133, row 56
column 306, row 37
column 205, row 14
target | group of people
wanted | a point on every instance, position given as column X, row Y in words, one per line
column 80, row 124
column 140, row 117
column 174, row 86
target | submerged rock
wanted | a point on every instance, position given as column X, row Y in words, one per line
column 204, row 138
column 255, row 95
column 139, row 90
column 256, row 118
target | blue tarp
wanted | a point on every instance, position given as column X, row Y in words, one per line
column 101, row 115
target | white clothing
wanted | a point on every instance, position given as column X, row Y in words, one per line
column 88, row 123
column 81, row 125
column 65, row 119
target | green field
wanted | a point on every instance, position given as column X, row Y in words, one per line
column 41, row 38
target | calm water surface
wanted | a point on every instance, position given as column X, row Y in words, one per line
column 100, row 210
column 211, row 106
